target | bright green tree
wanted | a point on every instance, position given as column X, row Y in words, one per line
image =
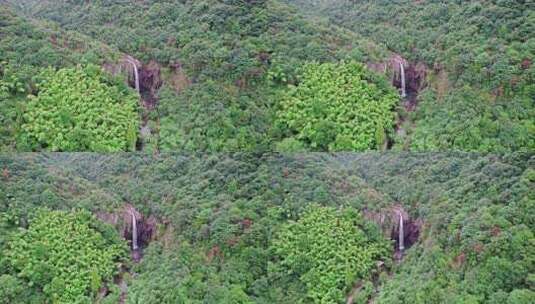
column 80, row 109
column 328, row 250
column 66, row 255
column 339, row 106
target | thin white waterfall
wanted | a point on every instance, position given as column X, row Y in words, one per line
column 402, row 72
column 401, row 233
column 134, row 232
column 136, row 73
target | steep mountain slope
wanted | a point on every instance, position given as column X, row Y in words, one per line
column 207, row 223
column 214, row 74
column 223, row 64
column 479, row 56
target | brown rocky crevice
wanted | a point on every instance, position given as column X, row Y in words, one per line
column 146, row 228
column 147, row 80
column 122, row 220
column 150, row 81
column 415, row 79
column 389, row 223
column 415, row 72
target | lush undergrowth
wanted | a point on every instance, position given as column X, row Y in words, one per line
column 63, row 257
column 226, row 223
column 337, row 107
column 328, row 250
column 480, row 54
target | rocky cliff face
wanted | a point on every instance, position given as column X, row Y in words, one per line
column 147, row 80
column 415, row 73
column 123, row 219
column 389, row 222
column 150, row 83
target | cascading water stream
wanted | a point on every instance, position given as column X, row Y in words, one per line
column 134, row 233
column 402, row 73
column 401, row 234
column 136, row 73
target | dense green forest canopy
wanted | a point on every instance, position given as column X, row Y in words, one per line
column 328, row 250
column 224, row 63
column 481, row 90
column 225, row 223
column 26, row 50
column 337, row 107
column 80, row 109
column 226, row 66
column 257, row 76
column 64, row 255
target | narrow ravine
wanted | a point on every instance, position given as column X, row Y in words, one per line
column 138, row 231
column 146, row 80
column 410, row 79
column 404, row 231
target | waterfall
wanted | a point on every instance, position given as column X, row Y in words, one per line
column 134, row 232
column 402, row 72
column 136, row 72
column 401, row 233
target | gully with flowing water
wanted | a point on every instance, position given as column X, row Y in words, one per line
column 146, row 79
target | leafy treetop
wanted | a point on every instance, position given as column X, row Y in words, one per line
column 66, row 255
column 80, row 109
column 328, row 250
column 339, row 106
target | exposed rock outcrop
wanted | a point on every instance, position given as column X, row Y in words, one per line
column 403, row 74
column 123, row 221
column 150, row 83
column 389, row 221
column 412, row 77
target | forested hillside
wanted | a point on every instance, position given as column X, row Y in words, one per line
column 267, row 228
column 234, row 75
column 277, row 151
column 223, row 67
column 479, row 58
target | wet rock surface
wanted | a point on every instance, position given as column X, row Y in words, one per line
column 415, row 74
